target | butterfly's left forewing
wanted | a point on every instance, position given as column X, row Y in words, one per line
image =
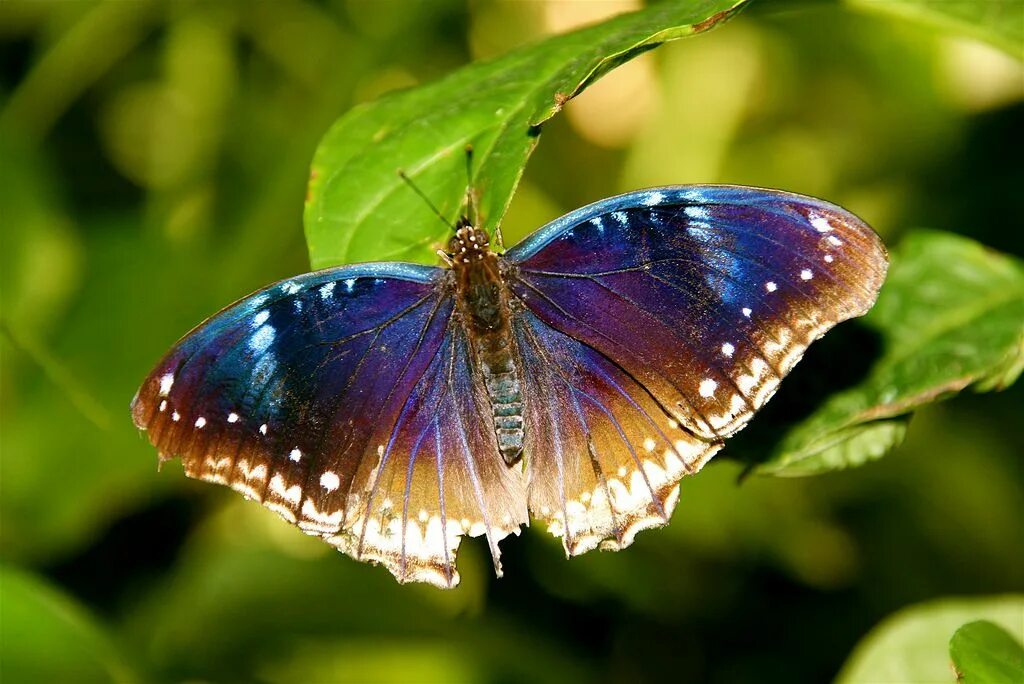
column 696, row 301
column 339, row 400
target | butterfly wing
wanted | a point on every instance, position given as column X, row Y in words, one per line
column 682, row 308
column 342, row 401
column 604, row 461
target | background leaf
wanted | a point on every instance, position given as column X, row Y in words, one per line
column 357, row 208
column 998, row 22
column 912, row 645
column 984, row 653
column 45, row 636
column 950, row 316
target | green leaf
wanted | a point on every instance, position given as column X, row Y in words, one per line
column 912, row 645
column 357, row 207
column 998, row 22
column 950, row 316
column 984, row 653
column 46, row 637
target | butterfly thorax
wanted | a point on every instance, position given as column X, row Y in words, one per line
column 478, row 279
column 483, row 306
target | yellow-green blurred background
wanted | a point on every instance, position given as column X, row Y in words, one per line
column 153, row 161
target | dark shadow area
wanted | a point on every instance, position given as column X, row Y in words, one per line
column 976, row 188
column 131, row 555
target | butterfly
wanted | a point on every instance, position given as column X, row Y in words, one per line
column 392, row 408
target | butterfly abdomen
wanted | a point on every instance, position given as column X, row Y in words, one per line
column 501, row 378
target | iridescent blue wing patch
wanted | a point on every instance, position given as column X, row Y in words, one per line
column 697, row 301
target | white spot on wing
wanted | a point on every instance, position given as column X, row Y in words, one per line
column 806, row 274
column 290, row 494
column 260, row 318
column 698, row 213
column 649, row 444
column 707, row 388
column 349, row 284
column 327, row 291
column 330, row 481
column 747, row 312
column 263, row 429
column 834, row 240
column 166, row 382
column 820, row 223
column 163, row 405
column 291, row 287
column 232, row 417
column 262, row 338
column 200, row 422
column 620, row 216
column 828, row 258
column 653, row 198
column 175, row 416
column 295, row 455
column 771, row 286
column 728, row 349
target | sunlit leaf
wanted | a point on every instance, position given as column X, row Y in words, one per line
column 913, row 644
column 998, row 22
column 46, row 636
column 358, row 209
column 984, row 653
column 950, row 316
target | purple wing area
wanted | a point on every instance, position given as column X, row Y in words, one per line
column 701, row 297
column 604, row 459
column 342, row 401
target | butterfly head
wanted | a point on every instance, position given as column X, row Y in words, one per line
column 469, row 245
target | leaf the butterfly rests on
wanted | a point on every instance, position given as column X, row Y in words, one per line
column 393, row 408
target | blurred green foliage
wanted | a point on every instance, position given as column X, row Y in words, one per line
column 927, row 642
column 47, row 637
column 998, row 22
column 153, row 167
column 985, row 653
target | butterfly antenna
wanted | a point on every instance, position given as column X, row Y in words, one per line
column 470, row 202
column 401, row 174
